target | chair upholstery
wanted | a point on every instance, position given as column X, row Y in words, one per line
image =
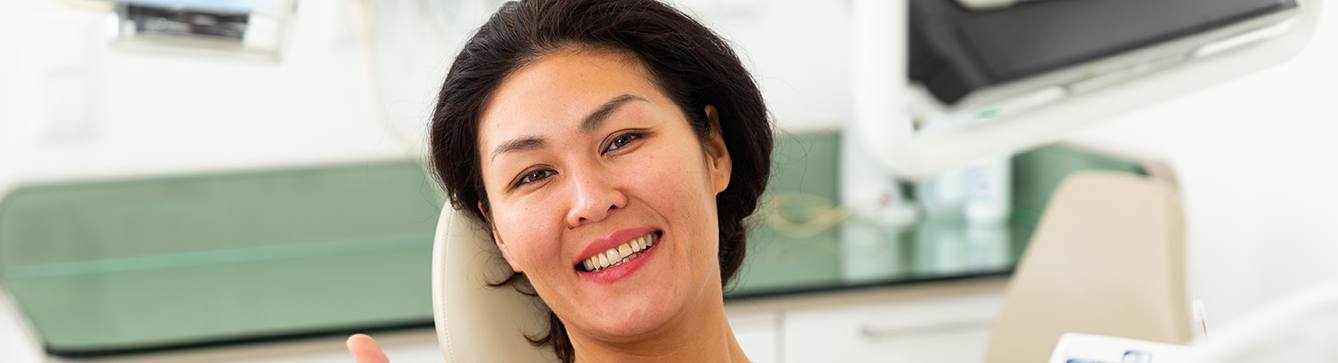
column 476, row 322
column 1107, row 258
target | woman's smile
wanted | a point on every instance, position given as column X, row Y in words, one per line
column 609, row 259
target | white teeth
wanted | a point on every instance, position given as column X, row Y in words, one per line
column 620, row 254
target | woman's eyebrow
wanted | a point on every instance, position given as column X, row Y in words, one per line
column 590, row 123
column 593, row 120
column 519, row 144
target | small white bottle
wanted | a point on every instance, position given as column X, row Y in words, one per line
column 988, row 192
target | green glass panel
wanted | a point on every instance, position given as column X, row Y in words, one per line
column 176, row 260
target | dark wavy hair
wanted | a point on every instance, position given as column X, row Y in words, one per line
column 689, row 63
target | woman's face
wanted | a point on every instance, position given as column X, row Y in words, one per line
column 587, row 163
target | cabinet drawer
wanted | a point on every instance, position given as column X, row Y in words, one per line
column 940, row 329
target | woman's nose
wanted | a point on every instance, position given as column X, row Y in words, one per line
column 595, row 198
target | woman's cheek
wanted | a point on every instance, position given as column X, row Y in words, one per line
column 524, row 235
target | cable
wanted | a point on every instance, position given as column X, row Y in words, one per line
column 364, row 22
column 820, row 214
column 363, row 17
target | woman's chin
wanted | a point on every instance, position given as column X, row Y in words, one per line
column 622, row 322
column 629, row 329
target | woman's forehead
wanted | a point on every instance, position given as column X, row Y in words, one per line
column 559, row 90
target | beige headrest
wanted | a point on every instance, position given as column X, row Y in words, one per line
column 476, row 322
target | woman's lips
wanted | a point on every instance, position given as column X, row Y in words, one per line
column 615, row 263
column 619, row 254
column 611, row 242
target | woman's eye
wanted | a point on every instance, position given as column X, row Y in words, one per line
column 621, row 141
column 534, row 176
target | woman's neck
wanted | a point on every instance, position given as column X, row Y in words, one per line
column 702, row 335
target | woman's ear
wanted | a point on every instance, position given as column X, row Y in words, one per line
column 717, row 155
column 497, row 238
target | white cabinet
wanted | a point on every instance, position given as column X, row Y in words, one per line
column 758, row 333
column 918, row 330
column 947, row 322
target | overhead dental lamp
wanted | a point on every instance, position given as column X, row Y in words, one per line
column 241, row 29
column 938, row 84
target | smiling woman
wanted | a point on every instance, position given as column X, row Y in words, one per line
column 614, row 148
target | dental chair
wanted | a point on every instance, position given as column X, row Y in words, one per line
column 476, row 322
column 1108, row 258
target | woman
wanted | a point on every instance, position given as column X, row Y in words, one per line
column 614, row 148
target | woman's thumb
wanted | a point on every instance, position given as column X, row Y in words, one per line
column 365, row 350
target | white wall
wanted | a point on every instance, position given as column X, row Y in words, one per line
column 797, row 50
column 72, row 106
